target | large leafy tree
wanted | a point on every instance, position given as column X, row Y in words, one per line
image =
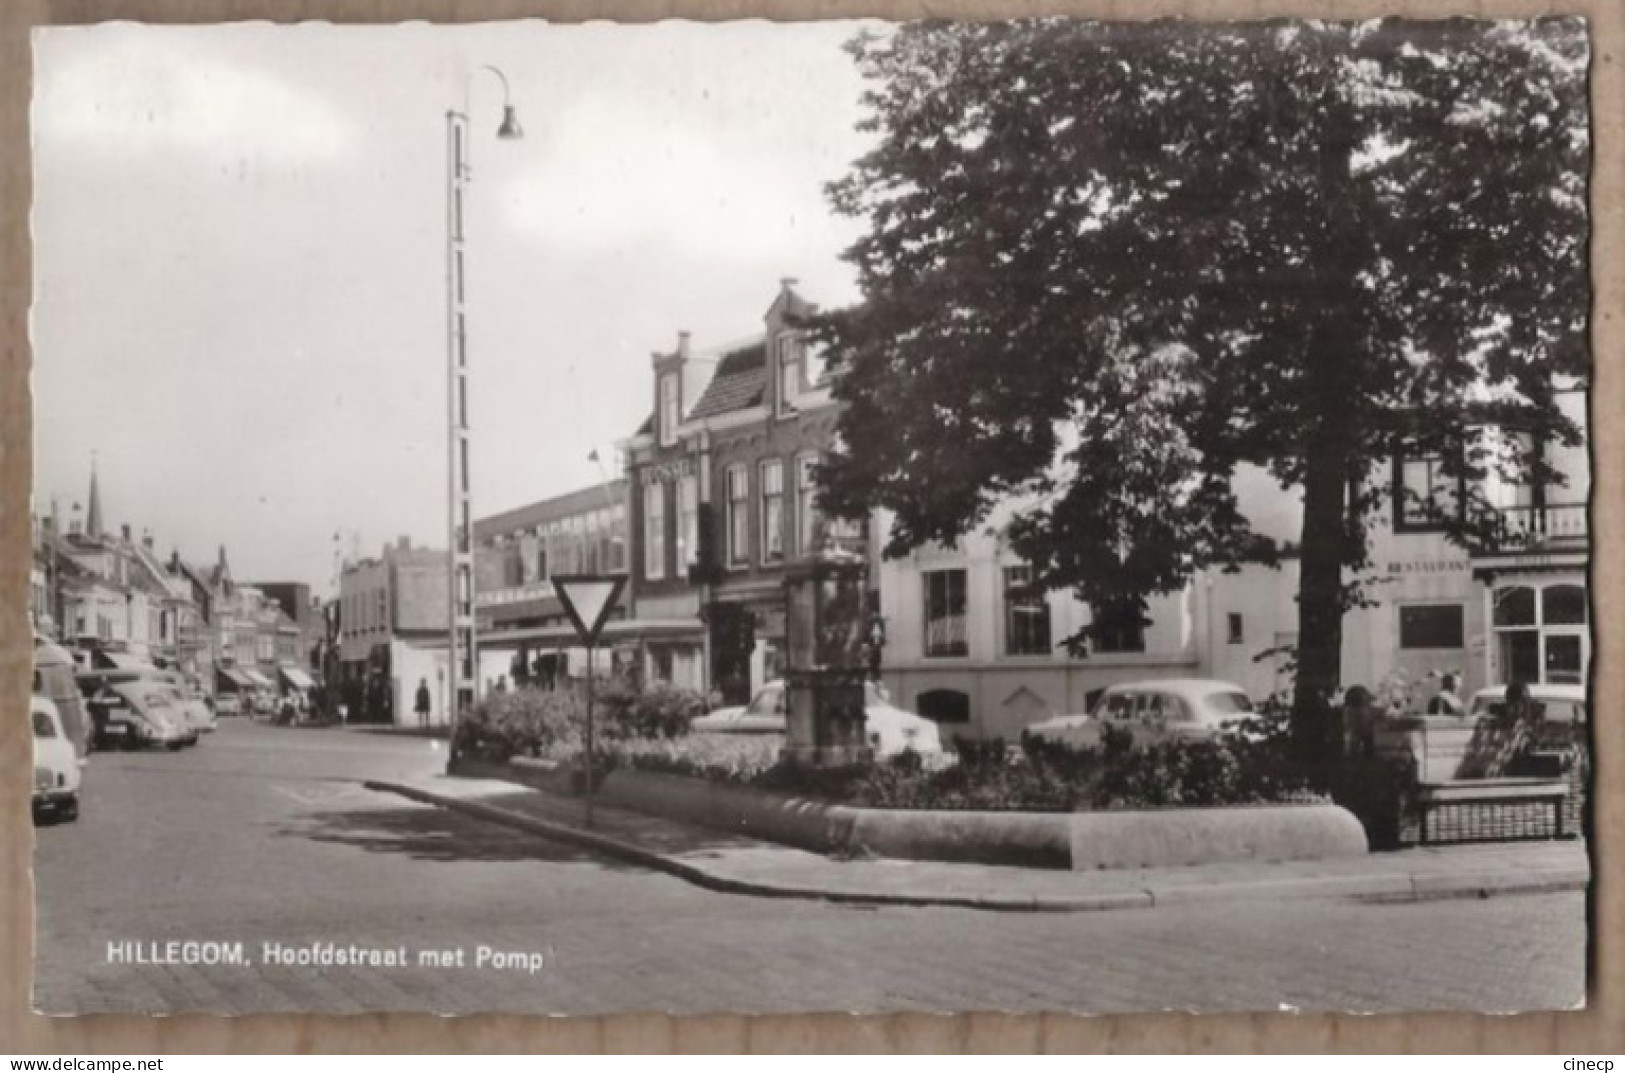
column 1107, row 265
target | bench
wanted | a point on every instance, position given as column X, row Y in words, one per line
column 1495, row 794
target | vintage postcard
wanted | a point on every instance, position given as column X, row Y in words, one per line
column 830, row 516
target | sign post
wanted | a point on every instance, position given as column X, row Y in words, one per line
column 587, row 599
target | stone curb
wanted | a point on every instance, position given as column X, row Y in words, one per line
column 1382, row 887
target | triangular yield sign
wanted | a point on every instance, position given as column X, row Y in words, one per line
column 587, row 599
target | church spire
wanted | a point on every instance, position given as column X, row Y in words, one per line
column 93, row 520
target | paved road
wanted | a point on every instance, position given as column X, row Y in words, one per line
column 262, row 835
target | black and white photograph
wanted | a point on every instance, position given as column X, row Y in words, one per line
column 789, row 517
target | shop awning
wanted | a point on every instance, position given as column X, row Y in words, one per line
column 123, row 661
column 631, row 629
column 297, row 678
column 259, row 679
column 234, row 678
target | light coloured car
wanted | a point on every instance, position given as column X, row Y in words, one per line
column 136, row 714
column 1175, row 707
column 767, row 713
column 891, row 730
column 194, row 711
column 56, row 764
column 1557, row 703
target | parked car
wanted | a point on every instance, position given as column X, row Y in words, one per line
column 766, row 713
column 194, row 710
column 228, row 704
column 891, row 730
column 56, row 764
column 1556, row 703
column 136, row 713
column 1175, row 707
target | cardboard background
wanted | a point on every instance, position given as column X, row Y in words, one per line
column 1601, row 1028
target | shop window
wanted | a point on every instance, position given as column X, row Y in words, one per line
column 1565, row 660
column 945, row 613
column 1236, row 632
column 1432, row 626
column 1026, row 615
column 1563, row 605
column 1515, row 606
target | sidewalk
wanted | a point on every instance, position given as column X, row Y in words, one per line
column 720, row 861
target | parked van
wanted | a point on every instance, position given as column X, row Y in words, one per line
column 56, row 764
column 54, row 679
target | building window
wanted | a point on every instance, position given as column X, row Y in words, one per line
column 1117, row 631
column 1425, row 496
column 1026, row 614
column 1540, row 633
column 654, row 531
column 688, row 521
column 738, row 515
column 789, row 374
column 1432, row 626
column 806, row 503
column 772, row 511
column 1237, row 628
column 617, row 539
column 669, row 408
column 945, row 613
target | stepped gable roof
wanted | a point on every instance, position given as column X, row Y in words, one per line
column 739, row 383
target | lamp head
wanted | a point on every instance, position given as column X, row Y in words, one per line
column 510, row 128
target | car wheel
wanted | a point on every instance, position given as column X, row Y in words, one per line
column 69, row 811
column 175, row 746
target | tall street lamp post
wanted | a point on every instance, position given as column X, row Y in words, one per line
column 462, row 652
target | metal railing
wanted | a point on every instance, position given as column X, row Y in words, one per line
column 1563, row 525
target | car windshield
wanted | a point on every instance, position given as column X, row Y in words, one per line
column 770, row 701
column 152, row 698
column 1228, row 702
column 44, row 725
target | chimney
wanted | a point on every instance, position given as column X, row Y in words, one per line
column 146, row 540
column 682, row 345
column 788, row 284
column 403, row 543
column 125, row 529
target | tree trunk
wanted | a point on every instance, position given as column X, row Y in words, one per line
column 1320, row 602
column 1331, row 413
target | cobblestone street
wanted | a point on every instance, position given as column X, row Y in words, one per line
column 264, row 835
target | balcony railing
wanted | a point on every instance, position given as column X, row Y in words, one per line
column 1562, row 526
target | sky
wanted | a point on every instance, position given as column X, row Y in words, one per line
column 239, row 267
